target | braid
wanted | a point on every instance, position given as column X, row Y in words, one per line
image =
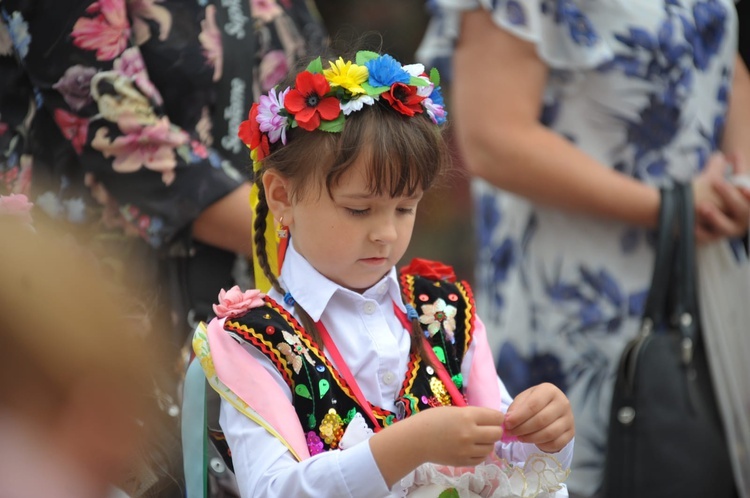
column 259, row 237
column 259, row 228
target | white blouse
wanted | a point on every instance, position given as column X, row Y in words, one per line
column 376, row 347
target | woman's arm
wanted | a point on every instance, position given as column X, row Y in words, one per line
column 496, row 107
column 728, row 214
column 736, row 140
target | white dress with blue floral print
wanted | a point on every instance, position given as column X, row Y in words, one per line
column 641, row 86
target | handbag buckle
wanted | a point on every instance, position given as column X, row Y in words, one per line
column 687, row 350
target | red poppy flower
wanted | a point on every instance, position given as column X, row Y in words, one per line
column 308, row 103
column 404, row 99
column 429, row 269
column 73, row 127
column 250, row 134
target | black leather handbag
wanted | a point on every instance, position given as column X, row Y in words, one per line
column 665, row 435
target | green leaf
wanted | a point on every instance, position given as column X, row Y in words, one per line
column 440, row 353
column 350, row 415
column 365, row 56
column 311, row 422
column 435, row 76
column 303, row 391
column 374, row 90
column 417, row 81
column 458, row 379
column 315, row 66
column 449, row 493
column 323, row 387
column 334, row 126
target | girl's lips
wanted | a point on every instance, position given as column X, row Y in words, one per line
column 374, row 261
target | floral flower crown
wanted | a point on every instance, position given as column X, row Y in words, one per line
column 322, row 98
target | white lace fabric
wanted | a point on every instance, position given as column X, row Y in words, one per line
column 540, row 476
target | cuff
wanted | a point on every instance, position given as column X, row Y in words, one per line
column 360, row 472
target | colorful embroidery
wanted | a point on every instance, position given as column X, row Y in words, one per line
column 320, row 395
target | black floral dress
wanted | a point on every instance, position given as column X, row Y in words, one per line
column 109, row 111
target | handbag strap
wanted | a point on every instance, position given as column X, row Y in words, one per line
column 656, row 303
column 685, row 299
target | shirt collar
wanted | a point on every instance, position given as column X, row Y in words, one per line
column 314, row 292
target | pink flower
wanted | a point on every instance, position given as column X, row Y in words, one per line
column 150, row 146
column 273, row 68
column 107, row 33
column 210, row 39
column 268, row 115
column 130, row 64
column 16, row 205
column 265, row 10
column 234, row 302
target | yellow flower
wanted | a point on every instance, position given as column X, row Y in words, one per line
column 347, row 75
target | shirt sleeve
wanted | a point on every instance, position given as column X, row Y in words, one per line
column 100, row 119
column 567, row 35
column 265, row 468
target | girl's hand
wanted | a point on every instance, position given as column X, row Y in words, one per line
column 459, row 436
column 722, row 209
column 541, row 415
column 447, row 435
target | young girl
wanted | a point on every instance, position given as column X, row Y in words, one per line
column 347, row 378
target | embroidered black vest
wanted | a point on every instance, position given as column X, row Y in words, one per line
column 322, row 399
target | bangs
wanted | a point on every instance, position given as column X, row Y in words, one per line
column 404, row 154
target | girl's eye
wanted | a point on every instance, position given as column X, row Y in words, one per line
column 358, row 212
column 406, row 210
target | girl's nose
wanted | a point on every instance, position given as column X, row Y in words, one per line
column 384, row 232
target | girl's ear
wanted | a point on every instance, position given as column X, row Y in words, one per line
column 277, row 194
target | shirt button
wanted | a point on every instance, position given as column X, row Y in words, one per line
column 382, row 288
column 388, row 378
column 369, row 308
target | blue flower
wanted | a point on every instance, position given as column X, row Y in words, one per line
column 488, row 219
column 707, row 33
column 590, row 315
column 513, row 369
column 547, row 367
column 580, row 28
column 603, row 284
column 516, row 14
column 503, row 259
column 520, row 372
column 637, row 303
column 385, row 71
column 435, row 106
column 656, row 128
column 19, row 33
column 437, row 97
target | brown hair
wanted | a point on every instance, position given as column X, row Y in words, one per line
column 404, row 154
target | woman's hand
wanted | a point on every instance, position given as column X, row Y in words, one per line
column 722, row 209
column 541, row 415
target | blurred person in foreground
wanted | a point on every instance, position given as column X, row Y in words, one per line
column 76, row 418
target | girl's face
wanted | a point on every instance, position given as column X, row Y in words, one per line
column 355, row 237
